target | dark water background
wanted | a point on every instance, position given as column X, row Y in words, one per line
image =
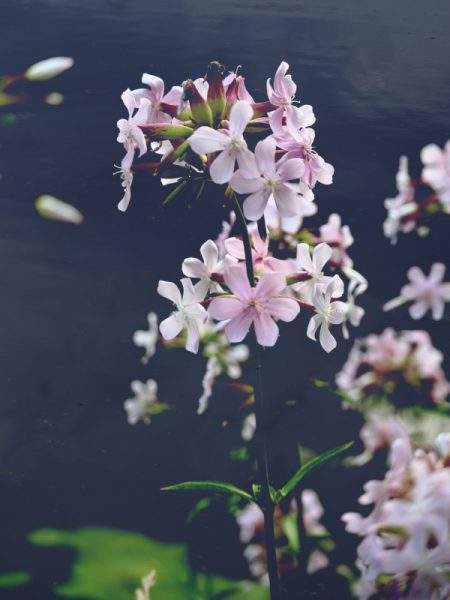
column 378, row 76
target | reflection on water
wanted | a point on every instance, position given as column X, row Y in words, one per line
column 379, row 79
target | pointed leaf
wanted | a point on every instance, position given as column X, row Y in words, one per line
column 219, row 487
column 310, row 466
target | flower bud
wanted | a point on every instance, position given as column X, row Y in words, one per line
column 200, row 109
column 47, row 69
column 50, row 207
column 164, row 131
column 216, row 93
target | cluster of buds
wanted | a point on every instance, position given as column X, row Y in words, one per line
column 318, row 541
column 405, row 552
column 380, row 365
column 419, row 198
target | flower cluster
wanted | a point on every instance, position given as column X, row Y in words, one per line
column 282, row 287
column 251, row 525
column 427, row 293
column 405, row 552
column 145, row 403
column 408, row 210
column 201, row 129
column 378, row 365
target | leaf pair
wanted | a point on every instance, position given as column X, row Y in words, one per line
column 222, row 487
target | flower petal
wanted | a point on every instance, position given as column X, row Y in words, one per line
column 210, row 254
column 270, row 285
column 291, row 169
column 266, row 330
column 255, row 204
column 244, row 185
column 222, row 167
column 240, row 114
column 321, row 255
column 327, row 341
column 236, row 279
column 285, row 309
column 205, row 140
column 265, row 156
column 170, row 327
column 224, row 308
column 418, row 309
column 237, row 328
column 193, row 267
column 169, row 290
column 313, row 324
column 304, row 260
column 287, row 201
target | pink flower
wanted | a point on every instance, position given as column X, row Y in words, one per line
column 189, row 313
column 426, row 293
column 339, row 237
column 158, row 99
column 130, row 133
column 401, row 206
column 436, row 171
column 262, row 259
column 229, row 143
column 313, row 264
column 260, row 305
column 291, row 225
column 299, row 144
column 281, row 95
column 266, row 179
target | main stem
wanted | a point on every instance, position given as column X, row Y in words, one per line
column 262, row 431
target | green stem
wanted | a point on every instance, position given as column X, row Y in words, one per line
column 262, row 431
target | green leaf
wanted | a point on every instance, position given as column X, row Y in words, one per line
column 174, row 193
column 109, row 565
column 290, row 530
column 9, row 580
column 310, row 466
column 219, row 487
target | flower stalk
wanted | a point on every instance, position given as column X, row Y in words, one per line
column 262, row 423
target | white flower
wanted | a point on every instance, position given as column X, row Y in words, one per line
column 126, row 175
column 189, row 313
column 139, row 407
column 143, row 593
column 213, row 370
column 401, row 206
column 193, row 267
column 314, row 265
column 130, row 133
column 230, row 143
column 249, row 520
column 327, row 312
column 148, row 339
column 353, row 313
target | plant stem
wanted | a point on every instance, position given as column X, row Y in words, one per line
column 262, row 431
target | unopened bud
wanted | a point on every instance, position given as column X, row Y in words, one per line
column 216, row 93
column 200, row 109
column 47, row 69
column 164, row 131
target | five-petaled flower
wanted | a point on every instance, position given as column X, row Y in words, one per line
column 260, row 305
column 328, row 312
column 189, row 313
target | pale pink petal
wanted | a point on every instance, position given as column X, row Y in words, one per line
column 244, row 185
column 285, row 309
column 321, row 255
column 313, row 324
column 222, row 168
column 270, row 285
column 205, row 140
column 418, row 309
column 437, row 309
column 287, row 201
column 325, row 175
column 437, row 273
column 237, row 328
column 189, row 296
column 327, row 341
column 444, row 290
column 291, row 169
column 302, row 116
column 224, row 308
column 236, row 279
column 338, row 311
column 170, row 327
column 156, row 85
column 416, row 276
column 247, row 162
column 276, row 120
column 169, row 290
column 431, row 154
column 266, row 330
column 174, row 95
column 265, row 156
column 129, row 100
column 235, row 247
column 255, row 204
column 240, row 114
